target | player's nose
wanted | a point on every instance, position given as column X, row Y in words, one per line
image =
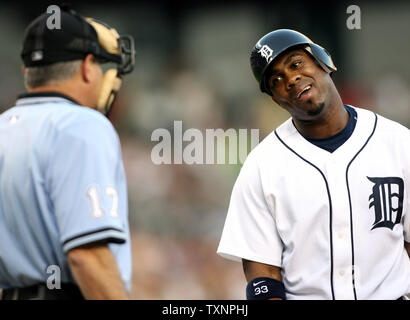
column 293, row 80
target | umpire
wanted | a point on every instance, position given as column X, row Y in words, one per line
column 64, row 230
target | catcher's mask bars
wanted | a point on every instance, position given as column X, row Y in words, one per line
column 78, row 37
column 121, row 51
column 273, row 44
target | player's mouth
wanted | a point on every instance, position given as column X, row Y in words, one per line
column 305, row 93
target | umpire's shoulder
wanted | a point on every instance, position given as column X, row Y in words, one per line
column 82, row 122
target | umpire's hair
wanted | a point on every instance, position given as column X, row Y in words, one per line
column 44, row 75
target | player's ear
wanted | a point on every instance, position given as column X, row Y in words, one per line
column 87, row 68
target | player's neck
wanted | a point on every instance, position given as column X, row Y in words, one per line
column 334, row 119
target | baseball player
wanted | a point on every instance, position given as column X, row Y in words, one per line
column 320, row 209
column 63, row 198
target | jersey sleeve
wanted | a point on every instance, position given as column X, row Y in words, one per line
column 406, row 221
column 87, row 185
column 250, row 231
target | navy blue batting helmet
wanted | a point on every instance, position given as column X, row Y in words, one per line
column 271, row 45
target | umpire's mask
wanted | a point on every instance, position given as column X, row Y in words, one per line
column 76, row 38
column 121, row 51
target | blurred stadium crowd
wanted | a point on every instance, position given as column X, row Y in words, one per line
column 193, row 65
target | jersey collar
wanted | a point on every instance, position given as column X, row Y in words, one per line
column 366, row 121
column 44, row 96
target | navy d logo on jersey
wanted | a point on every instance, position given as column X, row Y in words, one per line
column 387, row 201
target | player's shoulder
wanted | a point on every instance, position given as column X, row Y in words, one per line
column 269, row 148
column 384, row 125
column 392, row 126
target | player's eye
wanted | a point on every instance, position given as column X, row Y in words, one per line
column 296, row 64
column 275, row 80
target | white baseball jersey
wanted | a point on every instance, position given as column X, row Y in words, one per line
column 334, row 222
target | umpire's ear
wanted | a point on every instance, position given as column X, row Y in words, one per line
column 24, row 72
column 88, row 69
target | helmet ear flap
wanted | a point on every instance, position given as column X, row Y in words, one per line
column 322, row 57
column 109, row 89
column 265, row 82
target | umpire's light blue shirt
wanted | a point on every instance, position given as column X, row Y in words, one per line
column 62, row 185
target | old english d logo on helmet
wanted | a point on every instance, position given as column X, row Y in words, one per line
column 271, row 45
column 266, row 53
